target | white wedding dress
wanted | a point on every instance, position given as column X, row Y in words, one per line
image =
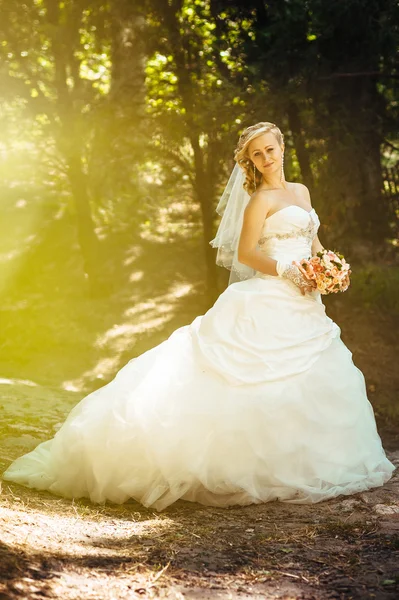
column 257, row 400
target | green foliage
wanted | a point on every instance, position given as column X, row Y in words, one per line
column 121, row 110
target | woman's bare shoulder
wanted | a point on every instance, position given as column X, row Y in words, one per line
column 300, row 189
column 258, row 202
column 263, row 196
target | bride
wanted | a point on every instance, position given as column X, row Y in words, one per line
column 257, row 400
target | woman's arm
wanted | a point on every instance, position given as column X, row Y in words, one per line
column 248, row 253
column 316, row 246
column 254, row 218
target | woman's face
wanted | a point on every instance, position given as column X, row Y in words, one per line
column 266, row 154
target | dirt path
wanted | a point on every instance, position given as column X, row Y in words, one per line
column 53, row 548
column 346, row 548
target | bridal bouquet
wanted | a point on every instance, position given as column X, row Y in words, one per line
column 328, row 269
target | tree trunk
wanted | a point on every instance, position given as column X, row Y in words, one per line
column 354, row 165
column 88, row 241
column 69, row 139
column 301, row 151
column 128, row 57
column 373, row 213
column 202, row 187
column 204, row 192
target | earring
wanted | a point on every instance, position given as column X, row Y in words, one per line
column 282, row 167
column 254, row 176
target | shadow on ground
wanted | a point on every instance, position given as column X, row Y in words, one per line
column 343, row 548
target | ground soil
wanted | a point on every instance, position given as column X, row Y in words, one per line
column 342, row 548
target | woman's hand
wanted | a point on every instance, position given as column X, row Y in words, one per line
column 296, row 276
column 309, row 286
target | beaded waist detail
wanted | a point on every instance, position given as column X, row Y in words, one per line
column 308, row 233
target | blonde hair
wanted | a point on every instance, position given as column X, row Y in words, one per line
column 241, row 151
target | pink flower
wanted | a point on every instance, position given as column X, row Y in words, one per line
column 329, row 271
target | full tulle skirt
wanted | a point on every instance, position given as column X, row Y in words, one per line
column 255, row 401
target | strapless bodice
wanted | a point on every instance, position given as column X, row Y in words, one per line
column 289, row 233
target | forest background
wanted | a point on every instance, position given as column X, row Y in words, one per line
column 118, row 123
